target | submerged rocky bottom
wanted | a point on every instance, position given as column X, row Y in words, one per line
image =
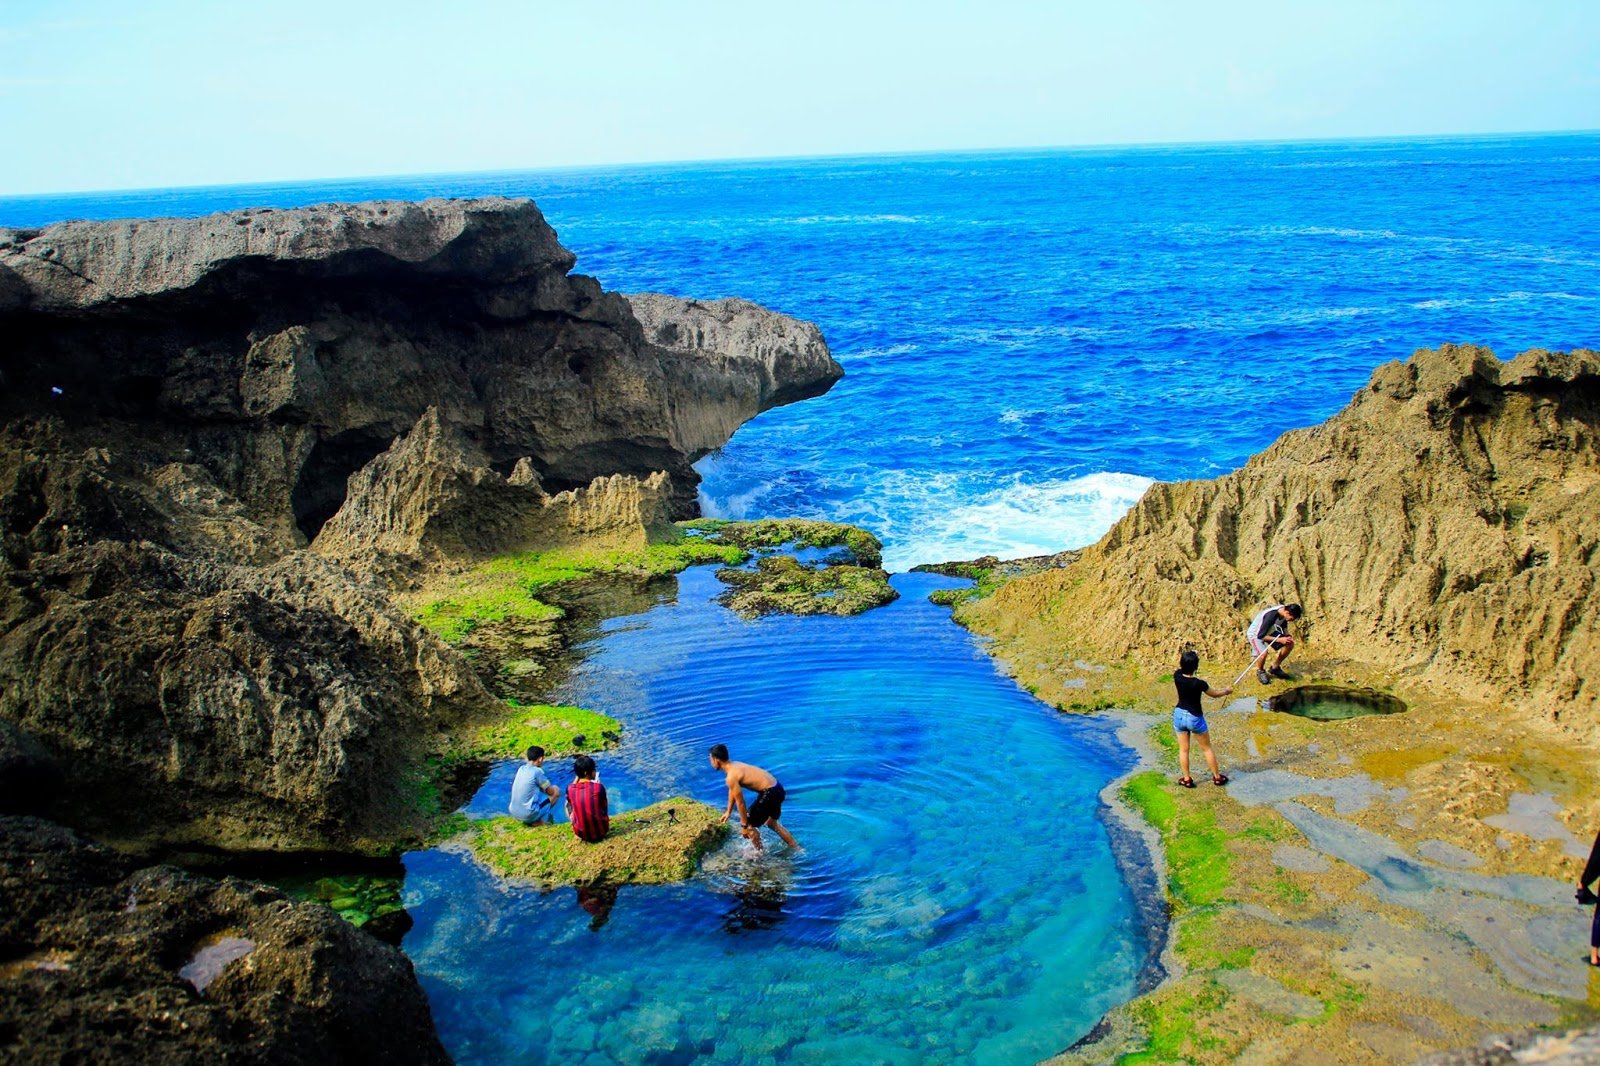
column 957, row 898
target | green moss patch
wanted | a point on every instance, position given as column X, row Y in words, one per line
column 1169, row 1022
column 866, row 549
column 661, row 843
column 783, row 585
column 1197, row 856
column 510, row 588
column 558, row 730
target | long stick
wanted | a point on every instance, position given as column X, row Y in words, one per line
column 1262, row 658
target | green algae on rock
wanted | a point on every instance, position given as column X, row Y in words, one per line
column 804, row 532
column 559, row 730
column 510, row 587
column 658, row 844
column 783, row 585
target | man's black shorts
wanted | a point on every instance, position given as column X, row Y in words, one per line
column 768, row 804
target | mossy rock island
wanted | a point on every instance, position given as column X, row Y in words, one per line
column 656, row 845
column 782, row 584
column 559, row 730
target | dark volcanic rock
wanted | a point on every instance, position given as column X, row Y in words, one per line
column 186, row 403
column 100, row 962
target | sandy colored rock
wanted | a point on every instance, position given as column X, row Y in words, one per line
column 1440, row 530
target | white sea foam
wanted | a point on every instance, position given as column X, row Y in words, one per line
column 1010, row 519
column 874, row 353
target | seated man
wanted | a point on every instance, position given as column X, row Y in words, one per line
column 586, row 802
column 533, row 797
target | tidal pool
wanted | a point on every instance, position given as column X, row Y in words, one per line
column 956, row 899
column 1334, row 703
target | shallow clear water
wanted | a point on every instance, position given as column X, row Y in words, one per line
column 956, row 898
column 1029, row 337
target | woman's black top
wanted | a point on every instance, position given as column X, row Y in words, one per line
column 1190, row 689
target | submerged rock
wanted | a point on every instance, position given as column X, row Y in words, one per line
column 657, row 844
column 105, row 962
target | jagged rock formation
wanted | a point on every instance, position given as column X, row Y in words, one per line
column 188, row 405
column 433, row 498
column 101, row 962
column 1442, row 528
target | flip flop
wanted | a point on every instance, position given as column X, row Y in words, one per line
column 1186, row 782
column 1590, row 961
column 1220, row 779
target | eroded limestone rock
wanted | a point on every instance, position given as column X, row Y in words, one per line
column 1443, row 528
column 186, row 405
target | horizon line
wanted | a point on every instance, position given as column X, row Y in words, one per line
column 915, row 153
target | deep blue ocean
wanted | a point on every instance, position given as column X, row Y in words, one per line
column 1029, row 338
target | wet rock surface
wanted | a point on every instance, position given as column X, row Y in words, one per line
column 101, row 961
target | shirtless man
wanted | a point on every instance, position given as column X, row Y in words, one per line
column 769, row 797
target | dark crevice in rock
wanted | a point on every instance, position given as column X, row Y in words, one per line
column 320, row 491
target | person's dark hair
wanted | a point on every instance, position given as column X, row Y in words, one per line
column 719, row 752
column 583, row 767
column 1189, row 662
column 1294, row 609
column 535, row 752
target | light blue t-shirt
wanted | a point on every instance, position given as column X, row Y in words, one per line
column 527, row 790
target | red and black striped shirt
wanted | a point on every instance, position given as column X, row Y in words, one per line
column 591, row 819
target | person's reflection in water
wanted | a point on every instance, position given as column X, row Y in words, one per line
column 760, row 899
column 598, row 901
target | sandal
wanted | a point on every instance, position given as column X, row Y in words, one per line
column 1186, row 782
column 1220, row 779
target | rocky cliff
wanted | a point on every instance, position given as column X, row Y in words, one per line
column 216, row 432
column 1441, row 530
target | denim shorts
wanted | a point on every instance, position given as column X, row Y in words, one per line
column 1184, row 722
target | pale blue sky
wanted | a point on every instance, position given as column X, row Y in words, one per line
column 135, row 93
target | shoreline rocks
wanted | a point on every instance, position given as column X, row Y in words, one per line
column 1441, row 530
column 100, row 961
column 226, row 441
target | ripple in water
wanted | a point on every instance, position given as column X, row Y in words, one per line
column 956, row 900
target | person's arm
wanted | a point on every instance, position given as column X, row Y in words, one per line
column 1218, row 694
column 734, row 794
column 1591, row 869
column 738, row 798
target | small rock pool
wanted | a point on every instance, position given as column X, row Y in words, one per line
column 1333, row 703
column 957, row 899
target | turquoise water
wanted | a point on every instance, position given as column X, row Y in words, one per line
column 956, row 899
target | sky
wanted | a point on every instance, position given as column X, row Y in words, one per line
column 120, row 95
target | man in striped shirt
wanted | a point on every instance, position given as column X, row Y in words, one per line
column 586, row 802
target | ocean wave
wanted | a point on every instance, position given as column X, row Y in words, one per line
column 966, row 518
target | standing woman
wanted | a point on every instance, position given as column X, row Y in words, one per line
column 1189, row 718
column 1591, row 873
